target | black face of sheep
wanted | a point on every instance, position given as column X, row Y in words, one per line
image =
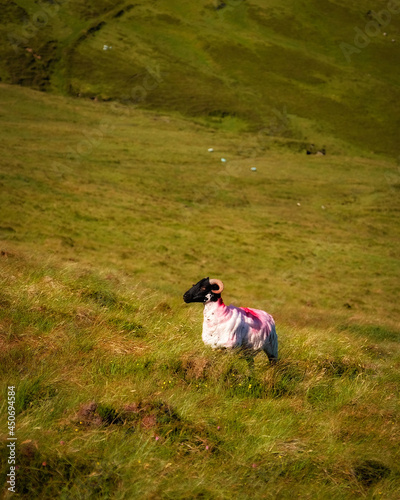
column 203, row 291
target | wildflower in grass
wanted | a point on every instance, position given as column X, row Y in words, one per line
column 218, row 428
column 157, row 438
column 62, row 442
column 206, row 447
column 44, row 464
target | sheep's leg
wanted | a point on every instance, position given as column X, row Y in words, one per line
column 272, row 358
column 249, row 355
column 271, row 348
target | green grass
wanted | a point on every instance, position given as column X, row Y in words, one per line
column 112, row 206
column 105, row 413
column 242, row 62
column 116, row 395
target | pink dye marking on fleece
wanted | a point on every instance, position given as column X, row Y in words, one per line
column 230, row 326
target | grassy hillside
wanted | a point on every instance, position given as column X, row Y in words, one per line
column 108, row 215
column 236, row 66
column 112, row 206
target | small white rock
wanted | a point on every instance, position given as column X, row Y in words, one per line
column 323, row 207
column 253, row 169
column 210, row 150
column 299, row 204
column 223, row 160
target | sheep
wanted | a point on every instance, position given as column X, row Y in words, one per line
column 229, row 327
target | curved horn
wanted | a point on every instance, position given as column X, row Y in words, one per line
column 219, row 283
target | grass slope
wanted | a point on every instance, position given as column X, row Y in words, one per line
column 237, row 66
column 109, row 213
column 112, row 206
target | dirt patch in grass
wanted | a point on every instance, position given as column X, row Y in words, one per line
column 371, row 472
column 154, row 417
column 195, row 367
column 144, row 414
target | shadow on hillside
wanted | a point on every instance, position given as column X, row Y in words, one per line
column 374, row 332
